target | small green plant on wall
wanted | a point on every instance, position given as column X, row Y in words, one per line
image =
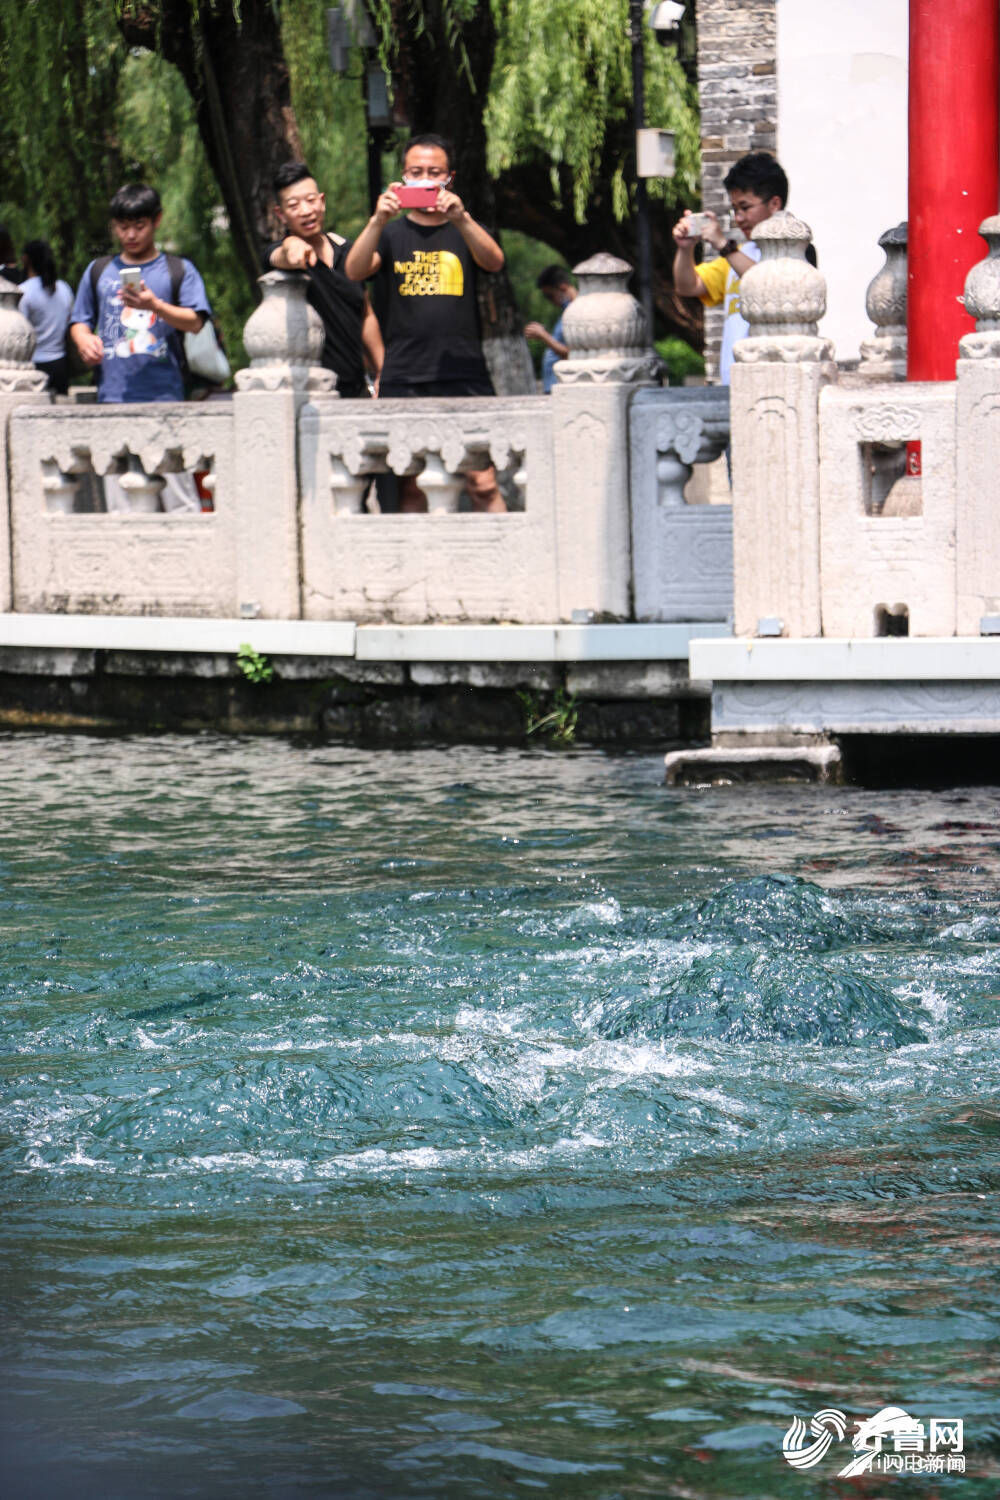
column 555, row 721
column 254, row 666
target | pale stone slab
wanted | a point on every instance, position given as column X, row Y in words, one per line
column 590, row 441
column 542, row 643
column 819, row 763
column 181, row 563
column 9, row 400
column 858, row 707
column 887, row 559
column 775, row 456
column 977, row 500
column 682, row 554
column 436, row 567
column 167, row 634
column 882, row 659
column 267, row 540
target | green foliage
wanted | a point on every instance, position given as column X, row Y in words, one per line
column 680, row 359
column 561, row 84
column 254, row 666
column 159, row 143
column 61, row 64
column 554, row 720
column 330, row 114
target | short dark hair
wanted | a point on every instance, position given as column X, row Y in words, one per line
column 430, row 139
column 286, row 176
column 135, row 201
column 553, row 276
column 758, row 173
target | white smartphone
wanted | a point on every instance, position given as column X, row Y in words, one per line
column 130, row 275
column 699, row 224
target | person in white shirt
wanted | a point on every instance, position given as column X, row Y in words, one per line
column 46, row 302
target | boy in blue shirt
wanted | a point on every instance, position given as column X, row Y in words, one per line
column 132, row 334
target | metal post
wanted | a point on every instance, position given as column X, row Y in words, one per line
column 953, row 170
column 643, row 236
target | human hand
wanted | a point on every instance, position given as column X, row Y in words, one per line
column 299, row 254
column 449, row 204
column 138, row 296
column 534, row 331
column 388, row 205
column 89, row 347
column 684, row 231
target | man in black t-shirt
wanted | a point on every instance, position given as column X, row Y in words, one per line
column 353, row 341
column 425, row 269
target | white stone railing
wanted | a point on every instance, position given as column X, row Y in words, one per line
column 68, row 553
column 293, row 529
column 862, row 506
column 682, row 553
column 445, row 565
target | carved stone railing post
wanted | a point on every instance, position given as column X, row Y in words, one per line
column 610, row 356
column 778, row 374
column 284, row 338
column 682, row 565
column 884, row 356
column 977, row 519
column 20, row 382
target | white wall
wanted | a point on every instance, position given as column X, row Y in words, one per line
column 842, row 140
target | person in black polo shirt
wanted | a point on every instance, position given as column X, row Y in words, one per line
column 353, row 341
column 425, row 268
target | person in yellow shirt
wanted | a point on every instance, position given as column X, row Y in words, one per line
column 757, row 188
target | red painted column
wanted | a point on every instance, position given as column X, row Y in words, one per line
column 954, row 170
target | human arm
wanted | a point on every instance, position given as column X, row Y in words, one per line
column 482, row 246
column 371, row 341
column 363, row 259
column 537, row 331
column 293, row 254
column 82, row 319
column 86, row 343
column 183, row 319
column 689, row 281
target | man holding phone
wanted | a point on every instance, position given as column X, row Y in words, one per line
column 425, row 268
column 133, row 308
column 131, row 312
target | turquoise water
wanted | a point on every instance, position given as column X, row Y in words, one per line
column 456, row 1123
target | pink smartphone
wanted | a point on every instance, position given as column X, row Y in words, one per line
column 417, row 197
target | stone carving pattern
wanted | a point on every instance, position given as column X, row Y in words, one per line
column 885, row 424
column 842, row 706
column 442, row 566
column 682, row 554
column 125, row 562
column 403, row 444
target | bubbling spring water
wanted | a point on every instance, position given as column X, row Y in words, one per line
column 462, row 1123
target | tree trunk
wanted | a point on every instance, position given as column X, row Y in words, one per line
column 235, row 71
column 437, row 92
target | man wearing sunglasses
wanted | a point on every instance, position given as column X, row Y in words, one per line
column 425, row 268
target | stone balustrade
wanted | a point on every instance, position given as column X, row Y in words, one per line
column 838, row 531
column 827, row 532
column 69, row 554
column 682, row 553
